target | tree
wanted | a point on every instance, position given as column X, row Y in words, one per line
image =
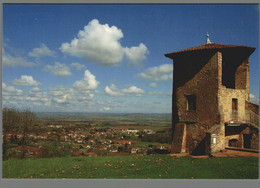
column 28, row 119
column 10, row 121
column 16, row 121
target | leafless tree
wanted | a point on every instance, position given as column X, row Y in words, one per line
column 14, row 122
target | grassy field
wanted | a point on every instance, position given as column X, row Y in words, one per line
column 133, row 167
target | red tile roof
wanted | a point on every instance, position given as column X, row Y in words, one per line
column 28, row 148
column 210, row 47
column 91, row 153
column 78, row 153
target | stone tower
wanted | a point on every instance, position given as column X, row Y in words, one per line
column 210, row 102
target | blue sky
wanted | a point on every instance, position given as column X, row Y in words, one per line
column 110, row 58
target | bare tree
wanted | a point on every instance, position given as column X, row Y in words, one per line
column 15, row 121
column 11, row 118
column 28, row 120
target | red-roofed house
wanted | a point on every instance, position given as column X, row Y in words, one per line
column 31, row 151
column 77, row 153
column 90, row 154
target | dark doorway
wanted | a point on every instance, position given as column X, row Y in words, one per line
column 200, row 149
column 233, row 143
column 247, row 140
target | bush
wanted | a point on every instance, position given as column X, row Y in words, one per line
column 158, row 137
column 55, row 149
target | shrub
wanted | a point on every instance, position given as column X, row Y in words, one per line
column 158, row 137
column 55, row 149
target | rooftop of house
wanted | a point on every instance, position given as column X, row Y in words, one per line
column 209, row 46
column 91, row 153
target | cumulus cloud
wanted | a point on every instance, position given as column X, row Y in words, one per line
column 159, row 73
column 35, row 89
column 136, row 54
column 113, row 91
column 43, row 50
column 61, row 95
column 58, row 98
column 153, row 85
column 10, row 90
column 253, row 98
column 11, row 95
column 26, row 81
column 78, row 66
column 12, row 61
column 97, row 43
column 85, row 97
column 134, row 90
column 37, row 96
column 88, row 82
column 104, row 109
column 60, row 90
column 69, row 97
column 101, row 44
column 58, row 69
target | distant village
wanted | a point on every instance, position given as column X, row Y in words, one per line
column 86, row 141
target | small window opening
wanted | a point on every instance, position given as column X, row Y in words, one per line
column 234, row 104
column 191, row 102
column 234, row 109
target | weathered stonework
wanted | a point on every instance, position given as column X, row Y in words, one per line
column 225, row 103
column 215, row 139
column 252, row 107
column 210, row 91
column 255, row 139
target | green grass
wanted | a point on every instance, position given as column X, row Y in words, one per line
column 133, row 167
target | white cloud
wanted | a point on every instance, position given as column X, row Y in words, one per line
column 153, row 85
column 60, row 90
column 12, row 61
column 253, row 98
column 136, row 54
column 85, row 97
column 134, row 90
column 88, row 82
column 113, row 91
column 10, row 90
column 97, row 43
column 26, row 81
column 78, row 66
column 37, row 96
column 35, row 89
column 160, row 73
column 42, row 51
column 61, row 95
column 105, row 109
column 58, row 69
column 64, row 99
column 11, row 96
column 101, row 44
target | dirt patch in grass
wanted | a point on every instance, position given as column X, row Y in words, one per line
column 224, row 153
column 234, row 153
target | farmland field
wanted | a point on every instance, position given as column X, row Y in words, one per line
column 133, row 167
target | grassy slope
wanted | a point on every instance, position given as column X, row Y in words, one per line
column 134, row 166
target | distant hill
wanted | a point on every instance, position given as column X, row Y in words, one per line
column 132, row 117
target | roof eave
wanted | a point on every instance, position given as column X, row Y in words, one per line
column 172, row 55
